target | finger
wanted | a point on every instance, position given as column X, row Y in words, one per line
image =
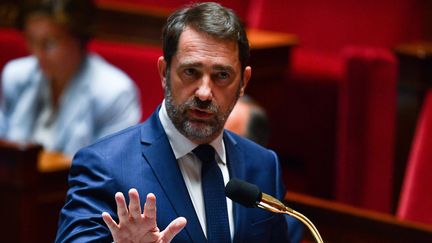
column 109, row 221
column 134, row 204
column 150, row 211
column 122, row 210
column 173, row 229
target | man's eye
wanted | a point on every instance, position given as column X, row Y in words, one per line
column 223, row 75
column 190, row 72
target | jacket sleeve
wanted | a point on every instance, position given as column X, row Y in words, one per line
column 91, row 192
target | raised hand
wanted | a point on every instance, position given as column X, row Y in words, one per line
column 135, row 226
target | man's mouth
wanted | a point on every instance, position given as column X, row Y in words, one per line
column 200, row 113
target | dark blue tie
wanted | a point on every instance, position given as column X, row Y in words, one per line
column 213, row 188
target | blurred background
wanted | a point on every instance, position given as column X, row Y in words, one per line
column 345, row 85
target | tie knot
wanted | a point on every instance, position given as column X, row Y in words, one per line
column 205, row 153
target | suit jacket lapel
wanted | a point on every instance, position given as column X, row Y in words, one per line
column 158, row 153
column 237, row 168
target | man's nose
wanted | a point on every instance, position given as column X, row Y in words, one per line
column 204, row 91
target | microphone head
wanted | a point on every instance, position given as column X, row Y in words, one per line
column 247, row 194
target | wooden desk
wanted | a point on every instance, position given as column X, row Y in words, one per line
column 53, row 162
column 342, row 223
column 33, row 186
column 270, row 56
column 419, row 50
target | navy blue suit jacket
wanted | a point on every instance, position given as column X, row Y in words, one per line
column 141, row 157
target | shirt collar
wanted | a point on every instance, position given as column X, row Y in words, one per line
column 182, row 145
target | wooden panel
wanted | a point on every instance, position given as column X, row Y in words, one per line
column 341, row 223
column 31, row 199
column 123, row 22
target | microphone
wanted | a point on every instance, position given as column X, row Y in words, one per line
column 249, row 195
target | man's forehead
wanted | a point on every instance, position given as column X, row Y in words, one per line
column 198, row 49
column 190, row 35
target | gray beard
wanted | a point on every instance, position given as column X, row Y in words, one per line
column 206, row 131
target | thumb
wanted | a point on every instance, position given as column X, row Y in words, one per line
column 172, row 229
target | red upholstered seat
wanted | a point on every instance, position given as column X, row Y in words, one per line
column 140, row 63
column 416, row 196
column 315, row 66
column 343, row 129
column 324, row 64
column 12, row 45
column 366, row 129
column 328, row 26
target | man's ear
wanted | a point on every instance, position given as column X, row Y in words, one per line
column 246, row 77
column 162, row 66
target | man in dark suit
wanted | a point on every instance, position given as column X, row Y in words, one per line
column 181, row 155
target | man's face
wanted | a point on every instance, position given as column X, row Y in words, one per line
column 202, row 85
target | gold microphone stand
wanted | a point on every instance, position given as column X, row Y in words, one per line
column 270, row 203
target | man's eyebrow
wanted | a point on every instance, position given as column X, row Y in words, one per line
column 190, row 64
column 223, row 68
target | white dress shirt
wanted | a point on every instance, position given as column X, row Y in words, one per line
column 190, row 167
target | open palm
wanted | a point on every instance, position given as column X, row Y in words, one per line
column 136, row 226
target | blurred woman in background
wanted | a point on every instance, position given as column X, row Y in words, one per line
column 61, row 96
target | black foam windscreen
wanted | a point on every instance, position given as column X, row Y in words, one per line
column 247, row 194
